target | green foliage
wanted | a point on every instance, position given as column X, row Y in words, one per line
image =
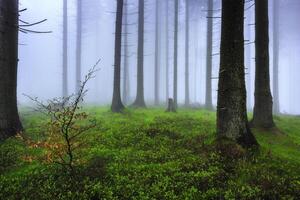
column 150, row 154
column 47, row 183
column 10, row 155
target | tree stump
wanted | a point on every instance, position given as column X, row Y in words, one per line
column 171, row 106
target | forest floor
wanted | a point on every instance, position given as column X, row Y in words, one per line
column 151, row 154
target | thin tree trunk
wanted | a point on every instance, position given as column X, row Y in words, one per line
column 263, row 113
column 196, row 71
column 196, row 35
column 140, row 101
column 156, row 70
column 232, row 122
column 126, row 89
column 276, row 56
column 9, row 117
column 187, row 46
column 208, row 95
column 65, row 50
column 78, row 44
column 167, row 53
column 117, row 105
column 175, row 53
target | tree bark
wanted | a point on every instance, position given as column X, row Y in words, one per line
column 171, row 106
column 209, row 43
column 140, row 101
column 197, row 36
column 78, row 45
column 276, row 107
column 126, row 82
column 263, row 113
column 10, row 123
column 167, row 52
column 156, row 68
column 232, row 122
column 65, row 50
column 187, row 46
column 117, row 105
column 175, row 54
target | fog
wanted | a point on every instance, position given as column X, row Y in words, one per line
column 40, row 55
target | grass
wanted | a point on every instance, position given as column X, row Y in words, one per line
column 151, row 154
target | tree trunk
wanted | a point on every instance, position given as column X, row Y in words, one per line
column 263, row 113
column 276, row 108
column 209, row 43
column 78, row 45
column 126, row 89
column 196, row 36
column 65, row 50
column 187, row 46
column 117, row 105
column 140, row 101
column 171, row 106
column 232, row 122
column 175, row 53
column 10, row 123
column 156, row 70
column 167, row 52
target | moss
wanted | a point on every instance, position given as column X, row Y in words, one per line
column 151, row 154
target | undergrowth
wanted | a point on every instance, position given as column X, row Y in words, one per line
column 150, row 154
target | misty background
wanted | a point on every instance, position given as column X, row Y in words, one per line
column 40, row 55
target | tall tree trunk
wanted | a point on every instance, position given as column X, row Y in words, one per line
column 140, row 101
column 276, row 108
column 197, row 37
column 156, row 70
column 78, row 44
column 187, row 48
column 126, row 89
column 175, row 53
column 167, row 53
column 9, row 117
column 209, row 43
column 117, row 105
column 196, row 70
column 263, row 113
column 232, row 122
column 65, row 50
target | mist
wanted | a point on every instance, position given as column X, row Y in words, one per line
column 40, row 55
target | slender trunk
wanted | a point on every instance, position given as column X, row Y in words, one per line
column 263, row 113
column 232, row 122
column 187, row 46
column 196, row 71
column 9, row 117
column 276, row 56
column 175, row 53
column 156, row 70
column 208, row 95
column 65, row 50
column 140, row 101
column 126, row 81
column 78, row 44
column 117, row 105
column 197, row 31
column 167, row 52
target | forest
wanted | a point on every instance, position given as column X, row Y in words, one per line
column 149, row 99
